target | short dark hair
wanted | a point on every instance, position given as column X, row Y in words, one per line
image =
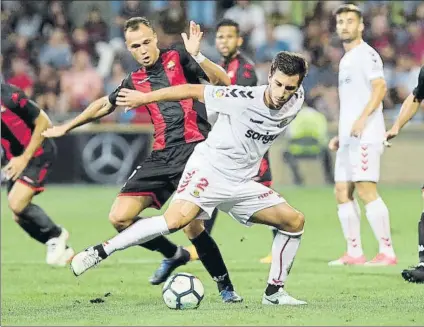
column 290, row 63
column 228, row 22
column 134, row 22
column 349, row 7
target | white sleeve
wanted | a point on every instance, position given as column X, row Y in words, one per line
column 373, row 65
column 229, row 100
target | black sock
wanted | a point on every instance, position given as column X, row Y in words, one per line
column 160, row 244
column 211, row 258
column 272, row 289
column 38, row 224
column 101, row 251
column 421, row 238
column 210, row 222
column 274, row 232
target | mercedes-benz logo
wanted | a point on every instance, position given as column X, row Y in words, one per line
column 109, row 158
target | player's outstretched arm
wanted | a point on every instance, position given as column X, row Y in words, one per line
column 408, row 110
column 95, row 110
column 133, row 99
column 215, row 73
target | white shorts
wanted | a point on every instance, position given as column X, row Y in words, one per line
column 206, row 187
column 358, row 163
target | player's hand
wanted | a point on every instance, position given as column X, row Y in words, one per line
column 130, row 99
column 192, row 43
column 15, row 167
column 55, row 131
column 333, row 145
column 358, row 128
column 392, row 133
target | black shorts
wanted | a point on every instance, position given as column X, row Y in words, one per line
column 34, row 175
column 264, row 175
column 158, row 176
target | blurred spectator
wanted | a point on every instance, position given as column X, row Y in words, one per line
column 81, row 42
column 21, row 76
column 57, row 52
column 129, row 8
column 202, row 12
column 28, row 22
column 96, row 27
column 47, row 88
column 55, row 18
column 80, row 85
column 416, row 43
column 251, row 18
column 271, row 46
column 406, row 76
column 289, row 33
column 113, row 81
column 173, row 18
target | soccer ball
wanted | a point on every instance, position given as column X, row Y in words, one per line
column 183, row 291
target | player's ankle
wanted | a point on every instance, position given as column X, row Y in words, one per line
column 272, row 289
column 101, row 251
column 225, row 285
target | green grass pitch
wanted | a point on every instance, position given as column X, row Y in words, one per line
column 33, row 293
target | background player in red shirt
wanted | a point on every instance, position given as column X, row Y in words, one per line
column 409, row 109
column 241, row 71
column 29, row 157
column 179, row 127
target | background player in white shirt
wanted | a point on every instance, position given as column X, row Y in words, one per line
column 359, row 143
column 220, row 172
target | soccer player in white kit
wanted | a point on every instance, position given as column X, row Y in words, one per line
column 359, row 143
column 219, row 173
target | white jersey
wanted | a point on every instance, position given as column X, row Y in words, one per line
column 244, row 130
column 357, row 69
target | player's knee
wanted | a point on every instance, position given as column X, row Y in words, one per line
column 16, row 204
column 295, row 224
column 341, row 192
column 367, row 194
column 194, row 229
column 16, row 218
column 119, row 221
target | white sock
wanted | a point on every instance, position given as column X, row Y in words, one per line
column 141, row 231
column 284, row 249
column 350, row 219
column 378, row 217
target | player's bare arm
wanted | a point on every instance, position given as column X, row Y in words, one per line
column 409, row 109
column 215, row 73
column 16, row 165
column 133, row 99
column 97, row 109
column 379, row 89
column 333, row 145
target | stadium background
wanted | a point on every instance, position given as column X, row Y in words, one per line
column 67, row 53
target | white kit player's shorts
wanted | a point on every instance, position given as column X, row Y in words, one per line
column 209, row 189
column 358, row 163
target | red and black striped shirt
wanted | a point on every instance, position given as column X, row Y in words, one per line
column 240, row 70
column 178, row 122
column 18, row 114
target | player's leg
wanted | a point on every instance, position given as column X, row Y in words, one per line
column 208, row 225
column 268, row 258
column 178, row 215
column 34, row 220
column 259, row 204
column 366, row 175
column 348, row 211
column 211, row 258
column 416, row 274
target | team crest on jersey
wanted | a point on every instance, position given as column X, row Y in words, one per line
column 220, row 93
column 195, row 193
column 170, row 65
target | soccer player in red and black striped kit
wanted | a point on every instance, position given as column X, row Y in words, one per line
column 241, row 71
column 179, row 127
column 29, row 157
column 408, row 110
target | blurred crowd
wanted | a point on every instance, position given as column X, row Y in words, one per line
column 66, row 54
